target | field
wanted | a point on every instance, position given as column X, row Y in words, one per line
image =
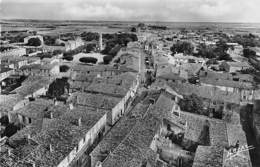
column 56, row 27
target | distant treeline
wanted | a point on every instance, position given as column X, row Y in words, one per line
column 156, row 27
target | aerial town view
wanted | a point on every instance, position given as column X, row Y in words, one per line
column 113, row 83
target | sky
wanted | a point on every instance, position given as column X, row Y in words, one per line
column 133, row 10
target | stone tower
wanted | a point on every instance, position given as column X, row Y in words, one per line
column 100, row 42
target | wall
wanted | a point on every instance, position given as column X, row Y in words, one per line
column 92, row 134
column 14, row 52
column 120, row 108
column 39, row 92
column 6, row 74
column 55, row 70
column 84, row 143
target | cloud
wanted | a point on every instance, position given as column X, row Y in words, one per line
column 135, row 10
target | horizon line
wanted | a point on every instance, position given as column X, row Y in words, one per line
column 134, row 21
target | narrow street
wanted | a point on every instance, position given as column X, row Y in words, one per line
column 246, row 119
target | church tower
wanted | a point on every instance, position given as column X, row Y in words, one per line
column 100, row 42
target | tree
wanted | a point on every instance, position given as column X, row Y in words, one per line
column 69, row 58
column 218, row 52
column 57, row 88
column 34, row 42
column 212, row 61
column 221, row 46
column 88, row 60
column 57, row 52
column 133, row 29
column 64, row 68
column 50, row 40
column 248, row 71
column 205, row 52
column 193, row 104
column 224, row 56
column 89, row 36
column 141, row 25
column 248, row 40
column 45, row 55
column 248, row 53
column 107, row 59
column 182, row 47
column 221, row 51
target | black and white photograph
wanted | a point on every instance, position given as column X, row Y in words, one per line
column 129, row 83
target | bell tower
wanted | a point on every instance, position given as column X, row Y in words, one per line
column 100, row 42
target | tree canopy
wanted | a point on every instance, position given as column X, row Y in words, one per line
column 248, row 40
column 193, row 104
column 248, row 53
column 57, row 87
column 89, row 36
column 88, row 60
column 64, row 68
column 34, row 42
column 182, row 47
column 107, row 59
column 218, row 52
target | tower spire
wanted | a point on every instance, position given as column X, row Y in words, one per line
column 100, row 42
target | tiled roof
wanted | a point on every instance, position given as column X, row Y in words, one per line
column 119, row 131
column 205, row 92
column 135, row 148
column 227, row 83
column 38, row 66
column 7, row 102
column 4, row 69
column 238, row 64
column 28, row 88
column 94, row 100
column 63, row 133
column 34, row 109
column 225, row 76
column 88, row 116
column 171, row 76
column 82, row 77
column 99, row 68
column 107, row 88
column 235, row 133
column 191, row 68
column 79, row 85
column 208, row 156
column 218, row 134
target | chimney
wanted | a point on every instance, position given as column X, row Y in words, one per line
column 29, row 136
column 9, row 152
column 50, row 148
column 51, row 115
column 71, row 106
column 98, row 164
column 79, row 122
column 55, row 101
